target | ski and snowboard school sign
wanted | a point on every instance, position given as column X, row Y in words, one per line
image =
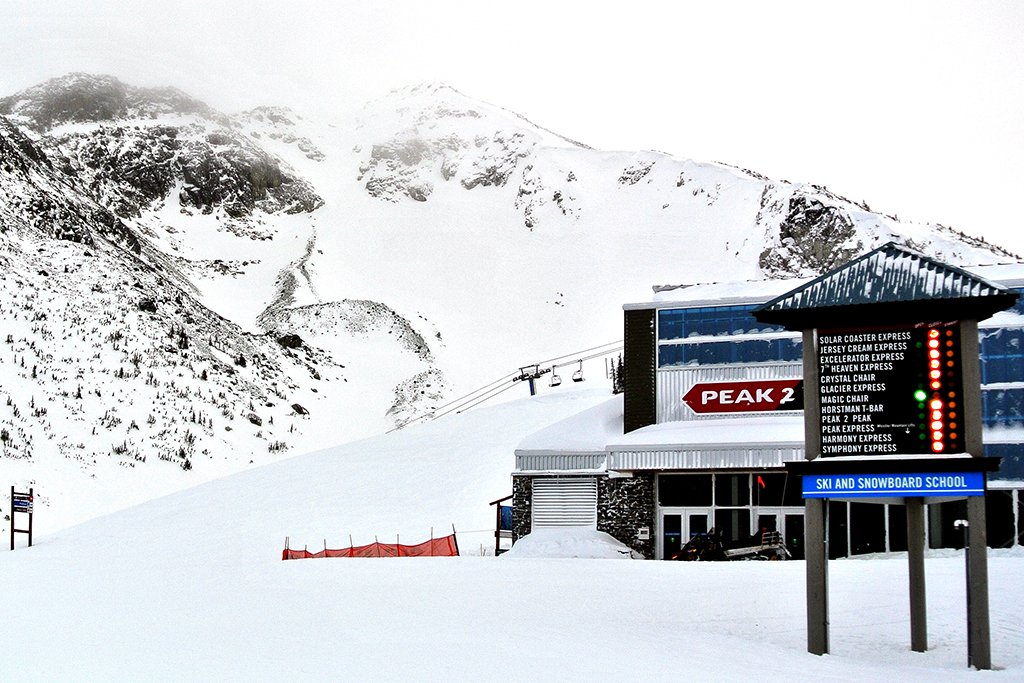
column 893, row 485
column 892, row 413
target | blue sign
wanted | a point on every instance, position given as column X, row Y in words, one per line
column 893, row 485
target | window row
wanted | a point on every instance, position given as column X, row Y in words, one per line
column 727, row 352
column 1002, row 349
column 712, row 321
column 1002, row 407
column 729, row 490
column 1002, row 355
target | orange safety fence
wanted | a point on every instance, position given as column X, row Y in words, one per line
column 435, row 547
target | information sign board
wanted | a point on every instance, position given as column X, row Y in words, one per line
column 746, row 396
column 891, row 390
column 889, row 485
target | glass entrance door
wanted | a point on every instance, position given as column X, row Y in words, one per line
column 678, row 527
column 671, row 535
column 794, row 536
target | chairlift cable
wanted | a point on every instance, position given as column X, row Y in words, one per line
column 466, row 397
column 472, row 402
column 487, row 397
column 474, row 398
column 590, row 357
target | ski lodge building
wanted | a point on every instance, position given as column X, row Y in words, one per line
column 686, row 448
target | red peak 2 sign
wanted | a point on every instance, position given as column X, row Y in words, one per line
column 749, row 396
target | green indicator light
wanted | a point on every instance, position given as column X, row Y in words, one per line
column 920, row 395
column 919, row 344
column 921, row 436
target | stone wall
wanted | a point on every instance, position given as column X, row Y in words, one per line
column 624, row 505
column 522, row 506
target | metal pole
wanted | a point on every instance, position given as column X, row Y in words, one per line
column 980, row 634
column 12, row 518
column 816, row 509
column 963, row 525
column 915, row 560
column 816, row 553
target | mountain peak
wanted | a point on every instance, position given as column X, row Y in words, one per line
column 89, row 98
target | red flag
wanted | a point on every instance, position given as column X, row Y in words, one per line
column 760, row 481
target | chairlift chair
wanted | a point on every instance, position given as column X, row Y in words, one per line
column 578, row 375
column 555, row 379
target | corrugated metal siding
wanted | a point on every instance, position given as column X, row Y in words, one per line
column 548, row 462
column 639, row 370
column 703, row 459
column 888, row 274
column 675, row 382
column 562, row 502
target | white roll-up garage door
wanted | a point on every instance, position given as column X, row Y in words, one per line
column 565, row 502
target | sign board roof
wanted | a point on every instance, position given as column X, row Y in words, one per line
column 890, row 275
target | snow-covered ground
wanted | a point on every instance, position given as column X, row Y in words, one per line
column 191, row 587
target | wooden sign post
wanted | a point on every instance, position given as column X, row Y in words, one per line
column 22, row 503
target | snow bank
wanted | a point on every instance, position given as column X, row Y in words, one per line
column 573, row 542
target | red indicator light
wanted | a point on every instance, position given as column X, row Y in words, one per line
column 933, row 333
column 937, row 446
column 936, row 385
column 937, row 425
column 935, row 405
column 934, row 364
column 933, row 343
column 936, row 414
column 934, row 353
column 936, row 436
column 935, row 374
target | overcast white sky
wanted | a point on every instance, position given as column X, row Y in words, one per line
column 915, row 107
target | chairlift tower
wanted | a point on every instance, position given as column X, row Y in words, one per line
column 530, row 374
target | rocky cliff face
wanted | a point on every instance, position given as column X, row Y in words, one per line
column 130, row 162
column 109, row 357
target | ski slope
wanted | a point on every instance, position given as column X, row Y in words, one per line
column 191, row 587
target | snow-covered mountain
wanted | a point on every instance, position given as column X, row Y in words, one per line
column 186, row 293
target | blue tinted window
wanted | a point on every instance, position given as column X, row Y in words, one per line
column 1012, row 464
column 720, row 353
column 1002, row 355
column 679, row 323
column 1019, row 306
column 1002, row 407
